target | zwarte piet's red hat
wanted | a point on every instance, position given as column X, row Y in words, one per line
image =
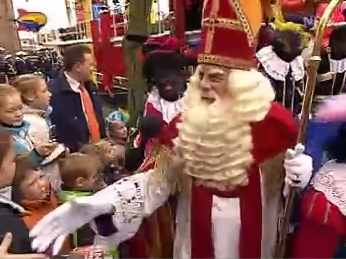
column 229, row 32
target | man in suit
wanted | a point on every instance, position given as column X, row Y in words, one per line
column 77, row 110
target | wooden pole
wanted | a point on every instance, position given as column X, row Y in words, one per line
column 284, row 222
column 9, row 38
column 138, row 31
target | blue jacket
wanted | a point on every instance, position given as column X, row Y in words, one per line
column 317, row 136
column 68, row 116
column 22, row 142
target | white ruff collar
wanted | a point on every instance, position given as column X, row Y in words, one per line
column 168, row 109
column 337, row 66
column 331, row 181
column 277, row 68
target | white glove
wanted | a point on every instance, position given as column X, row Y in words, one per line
column 69, row 217
column 298, row 167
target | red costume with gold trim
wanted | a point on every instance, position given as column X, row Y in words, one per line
column 229, row 29
column 223, row 138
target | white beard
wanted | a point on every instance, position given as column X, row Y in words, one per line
column 216, row 145
column 215, row 139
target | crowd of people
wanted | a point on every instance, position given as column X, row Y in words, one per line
column 206, row 172
column 47, row 155
column 44, row 62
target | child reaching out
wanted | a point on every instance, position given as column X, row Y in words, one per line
column 34, row 194
column 81, row 175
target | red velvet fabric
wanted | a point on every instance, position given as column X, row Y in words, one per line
column 138, row 246
column 320, row 229
column 165, row 43
column 250, row 215
column 240, row 54
column 274, row 134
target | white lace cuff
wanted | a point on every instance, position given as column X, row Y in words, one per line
column 331, row 181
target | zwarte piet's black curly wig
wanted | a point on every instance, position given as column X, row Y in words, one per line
column 337, row 43
column 287, row 44
column 159, row 62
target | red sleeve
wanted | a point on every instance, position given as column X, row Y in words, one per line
column 274, row 134
column 322, row 224
column 318, row 210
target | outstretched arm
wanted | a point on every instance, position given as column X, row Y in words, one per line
column 129, row 200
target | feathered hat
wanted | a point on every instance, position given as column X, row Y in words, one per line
column 229, row 32
column 289, row 32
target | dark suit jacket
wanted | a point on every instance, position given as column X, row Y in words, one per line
column 68, row 116
column 11, row 221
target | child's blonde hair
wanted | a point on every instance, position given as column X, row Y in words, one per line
column 77, row 165
column 7, row 90
column 27, row 85
column 99, row 150
column 95, row 149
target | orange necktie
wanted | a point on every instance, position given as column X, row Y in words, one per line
column 90, row 114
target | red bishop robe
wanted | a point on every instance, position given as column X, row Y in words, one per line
column 271, row 136
column 211, row 223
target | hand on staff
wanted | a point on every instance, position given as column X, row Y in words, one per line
column 46, row 149
column 298, row 167
column 6, row 243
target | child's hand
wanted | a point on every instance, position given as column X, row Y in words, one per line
column 88, row 252
column 5, row 245
column 45, row 149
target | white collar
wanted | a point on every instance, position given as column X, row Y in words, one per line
column 337, row 66
column 74, row 84
column 277, row 68
column 168, row 109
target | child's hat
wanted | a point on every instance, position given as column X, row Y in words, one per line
column 118, row 115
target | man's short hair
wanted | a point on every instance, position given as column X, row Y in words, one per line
column 75, row 54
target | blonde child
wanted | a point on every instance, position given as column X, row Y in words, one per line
column 36, row 97
column 112, row 157
column 81, row 175
column 12, row 122
column 116, row 126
